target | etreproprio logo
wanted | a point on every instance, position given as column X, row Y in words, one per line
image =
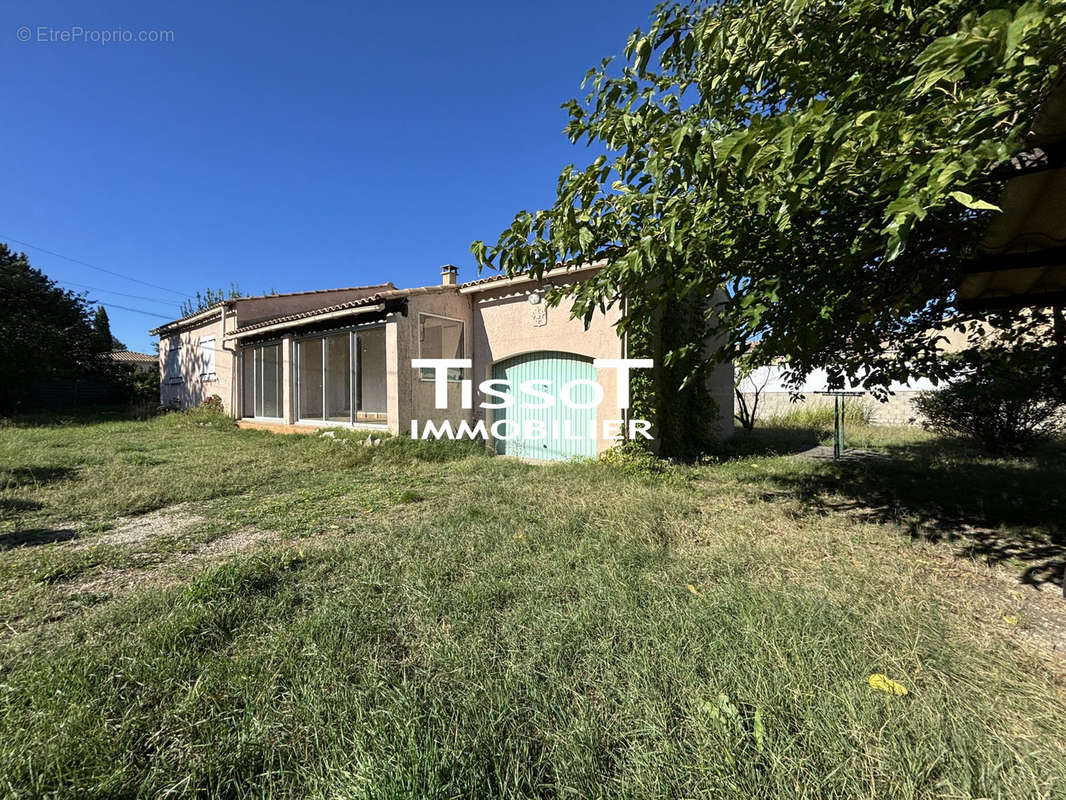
column 533, row 394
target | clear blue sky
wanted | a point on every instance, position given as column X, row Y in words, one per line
column 284, row 146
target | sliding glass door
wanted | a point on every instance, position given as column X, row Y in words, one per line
column 312, row 373
column 338, row 361
column 371, row 404
column 341, row 377
column 261, row 381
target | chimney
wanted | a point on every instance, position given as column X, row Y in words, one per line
column 449, row 275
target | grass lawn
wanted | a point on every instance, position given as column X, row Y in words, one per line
column 189, row 609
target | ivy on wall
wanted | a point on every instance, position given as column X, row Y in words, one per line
column 674, row 394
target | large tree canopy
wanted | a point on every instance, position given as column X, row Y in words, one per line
column 43, row 329
column 826, row 163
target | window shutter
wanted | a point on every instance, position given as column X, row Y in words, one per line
column 207, row 357
column 172, row 362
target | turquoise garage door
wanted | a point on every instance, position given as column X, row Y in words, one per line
column 568, row 431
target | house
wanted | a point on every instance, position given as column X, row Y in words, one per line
column 135, row 362
column 343, row 357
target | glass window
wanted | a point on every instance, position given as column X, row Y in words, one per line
column 342, row 377
column 261, row 381
column 311, row 378
column 440, row 338
column 271, row 382
column 372, row 399
column 338, row 390
column 248, row 390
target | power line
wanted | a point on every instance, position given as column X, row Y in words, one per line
column 93, row 266
column 120, row 294
column 137, row 310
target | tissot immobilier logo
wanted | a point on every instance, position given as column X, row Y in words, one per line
column 536, row 394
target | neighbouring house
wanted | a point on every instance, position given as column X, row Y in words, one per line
column 343, row 357
column 135, row 362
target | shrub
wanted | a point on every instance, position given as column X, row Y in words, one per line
column 1002, row 398
column 144, row 387
column 631, row 457
column 213, row 404
column 210, row 413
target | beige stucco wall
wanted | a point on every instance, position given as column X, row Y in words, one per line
column 505, row 324
column 409, row 397
column 191, row 389
column 288, row 380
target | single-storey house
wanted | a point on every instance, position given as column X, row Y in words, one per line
column 343, row 357
column 134, row 362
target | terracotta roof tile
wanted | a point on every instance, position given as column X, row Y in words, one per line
column 546, row 275
column 490, row 279
column 369, row 300
column 130, row 357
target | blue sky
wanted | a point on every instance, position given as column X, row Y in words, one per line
column 283, row 146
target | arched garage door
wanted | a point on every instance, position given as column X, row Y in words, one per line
column 567, row 431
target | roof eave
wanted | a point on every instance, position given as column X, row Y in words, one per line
column 500, row 282
column 302, row 321
column 192, row 319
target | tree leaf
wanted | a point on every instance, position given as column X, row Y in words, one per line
column 883, row 683
column 969, row 201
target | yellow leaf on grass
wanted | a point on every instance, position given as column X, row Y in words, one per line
column 1010, row 619
column 694, row 590
column 883, row 683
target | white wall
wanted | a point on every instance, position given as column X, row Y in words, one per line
column 817, row 381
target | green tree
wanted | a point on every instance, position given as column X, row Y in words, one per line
column 208, row 298
column 43, row 329
column 827, row 165
column 103, row 340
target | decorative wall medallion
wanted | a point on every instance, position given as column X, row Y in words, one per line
column 538, row 315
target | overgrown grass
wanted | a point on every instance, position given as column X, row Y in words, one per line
column 857, row 412
column 429, row 621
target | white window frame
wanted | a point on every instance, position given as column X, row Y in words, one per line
column 207, row 359
column 454, row 375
